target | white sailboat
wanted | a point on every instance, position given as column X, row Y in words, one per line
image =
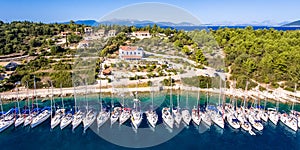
column 59, row 113
column 290, row 120
column 176, row 112
column 78, row 115
column 90, row 115
column 186, row 116
column 215, row 114
column 196, row 115
column 66, row 120
column 151, row 114
column 166, row 112
column 21, row 117
column 104, row 114
column 125, row 114
column 43, row 116
column 136, row 114
column 6, row 119
column 205, row 117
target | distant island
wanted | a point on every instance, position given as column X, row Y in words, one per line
column 293, row 24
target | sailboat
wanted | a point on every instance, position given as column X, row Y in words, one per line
column 166, row 112
column 104, row 114
column 125, row 113
column 59, row 113
column 186, row 116
column 288, row 119
column 32, row 113
column 7, row 119
column 151, row 114
column 216, row 115
column 116, row 112
column 78, row 115
column 263, row 113
column 43, row 116
column 21, row 117
column 136, row 114
column 176, row 112
column 205, row 117
column 196, row 115
column 90, row 115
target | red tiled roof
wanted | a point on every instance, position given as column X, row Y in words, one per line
column 128, row 48
column 126, row 56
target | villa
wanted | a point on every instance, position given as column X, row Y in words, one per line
column 88, row 30
column 111, row 33
column 141, row 34
column 83, row 44
column 131, row 52
column 100, row 33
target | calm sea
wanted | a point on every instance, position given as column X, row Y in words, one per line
column 113, row 137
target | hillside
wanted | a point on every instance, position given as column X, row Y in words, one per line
column 295, row 23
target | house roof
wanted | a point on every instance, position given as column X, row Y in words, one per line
column 131, row 56
column 141, row 32
column 128, row 48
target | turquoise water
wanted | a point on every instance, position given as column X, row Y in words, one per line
column 202, row 137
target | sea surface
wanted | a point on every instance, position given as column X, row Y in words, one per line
column 123, row 137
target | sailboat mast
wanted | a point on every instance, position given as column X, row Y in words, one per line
column 100, row 92
column 34, row 84
column 207, row 95
column 220, row 91
column 1, row 105
column 75, row 97
column 171, row 101
column 294, row 96
column 51, row 97
column 61, row 95
column 186, row 100
column 18, row 101
column 28, row 101
column 246, row 94
column 87, row 102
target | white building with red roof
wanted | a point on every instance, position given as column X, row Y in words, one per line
column 131, row 52
column 141, row 34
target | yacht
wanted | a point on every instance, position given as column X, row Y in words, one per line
column 32, row 114
column 40, row 118
column 125, row 115
column 66, row 120
column 115, row 114
column 290, row 121
column 196, row 117
column 255, row 121
column 273, row 115
column 7, row 120
column 176, row 112
column 20, row 117
column 167, row 117
column 186, row 116
column 59, row 113
column 89, row 119
column 103, row 116
column 78, row 116
column 233, row 121
column 151, row 114
column 77, row 119
column 205, row 117
column 136, row 115
column 216, row 116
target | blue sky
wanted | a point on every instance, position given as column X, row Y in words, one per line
column 207, row 11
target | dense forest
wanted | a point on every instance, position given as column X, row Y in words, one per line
column 29, row 37
column 267, row 56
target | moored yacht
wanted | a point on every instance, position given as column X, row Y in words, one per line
column 40, row 118
column 290, row 121
column 66, row 120
column 89, row 119
column 136, row 114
